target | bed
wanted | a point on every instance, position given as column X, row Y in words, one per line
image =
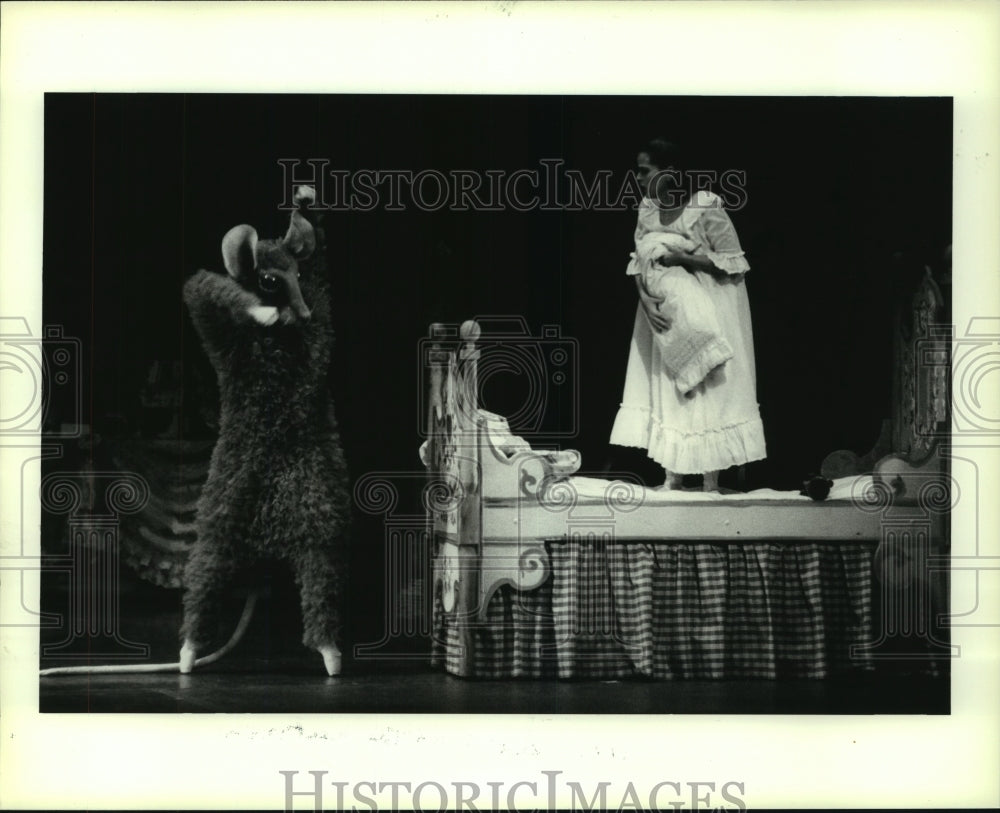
column 541, row 573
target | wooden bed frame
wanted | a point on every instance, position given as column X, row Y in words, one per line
column 500, row 511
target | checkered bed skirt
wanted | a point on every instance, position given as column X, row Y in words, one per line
column 672, row 610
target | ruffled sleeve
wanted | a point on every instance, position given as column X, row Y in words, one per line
column 722, row 246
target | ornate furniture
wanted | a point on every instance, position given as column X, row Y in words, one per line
column 540, row 573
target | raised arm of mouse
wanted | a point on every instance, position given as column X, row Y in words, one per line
column 219, row 305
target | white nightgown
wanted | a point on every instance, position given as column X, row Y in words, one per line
column 717, row 425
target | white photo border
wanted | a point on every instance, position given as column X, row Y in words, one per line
column 726, row 48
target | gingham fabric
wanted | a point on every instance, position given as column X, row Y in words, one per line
column 670, row 610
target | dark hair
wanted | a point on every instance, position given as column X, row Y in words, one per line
column 663, row 154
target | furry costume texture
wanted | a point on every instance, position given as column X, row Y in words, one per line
column 277, row 487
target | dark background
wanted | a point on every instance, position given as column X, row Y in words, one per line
column 139, row 190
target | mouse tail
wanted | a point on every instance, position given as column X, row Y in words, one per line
column 221, row 652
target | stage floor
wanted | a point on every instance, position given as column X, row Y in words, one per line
column 298, row 686
column 271, row 672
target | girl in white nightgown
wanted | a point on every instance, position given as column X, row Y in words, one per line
column 716, row 425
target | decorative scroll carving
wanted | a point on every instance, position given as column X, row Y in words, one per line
column 510, row 466
column 443, row 494
column 494, row 501
column 524, row 567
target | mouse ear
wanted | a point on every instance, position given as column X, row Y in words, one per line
column 301, row 237
column 238, row 247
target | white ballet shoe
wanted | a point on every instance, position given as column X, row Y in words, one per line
column 187, row 659
column 331, row 659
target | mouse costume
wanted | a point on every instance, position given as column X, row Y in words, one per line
column 277, row 487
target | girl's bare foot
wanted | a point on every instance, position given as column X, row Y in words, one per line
column 673, row 483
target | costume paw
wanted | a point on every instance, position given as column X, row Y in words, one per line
column 304, row 195
column 263, row 314
column 331, row 659
column 187, row 658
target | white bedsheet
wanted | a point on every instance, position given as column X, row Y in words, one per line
column 844, row 488
column 501, row 438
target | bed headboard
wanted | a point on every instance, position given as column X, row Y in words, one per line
column 450, row 454
column 464, row 441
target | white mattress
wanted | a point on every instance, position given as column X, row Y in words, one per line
column 844, row 488
column 501, row 439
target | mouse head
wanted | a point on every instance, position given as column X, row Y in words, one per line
column 270, row 268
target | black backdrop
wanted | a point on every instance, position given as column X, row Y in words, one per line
column 139, row 190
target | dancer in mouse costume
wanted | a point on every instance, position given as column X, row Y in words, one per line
column 277, row 488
